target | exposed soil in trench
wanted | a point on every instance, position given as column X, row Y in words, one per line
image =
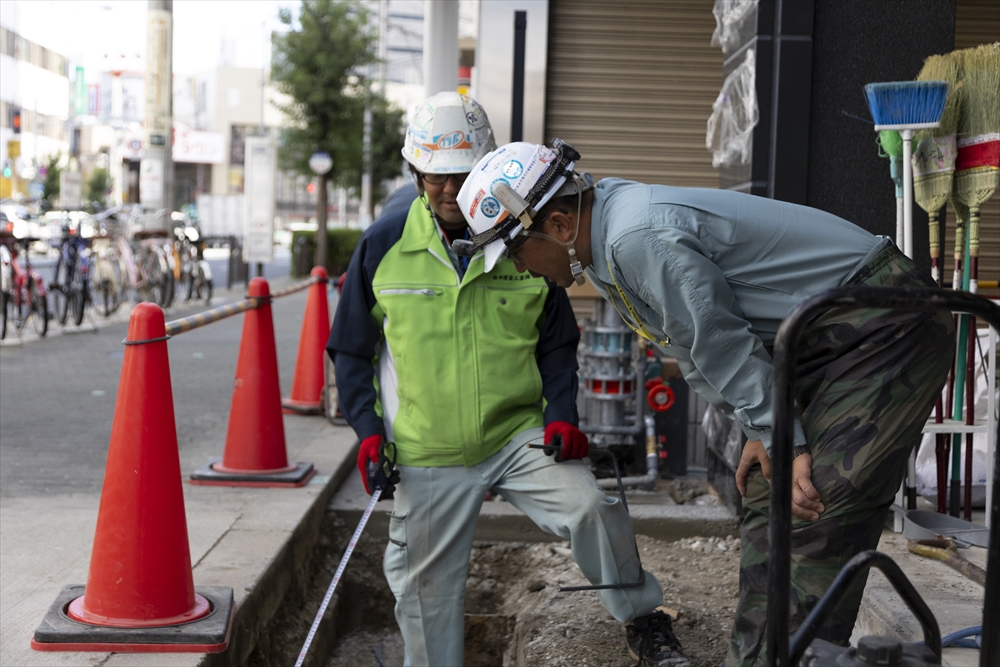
column 515, row 614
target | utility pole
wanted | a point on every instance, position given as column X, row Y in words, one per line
column 367, row 212
column 440, row 46
column 263, row 90
column 156, row 171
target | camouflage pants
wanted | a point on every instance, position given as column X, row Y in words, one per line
column 867, row 379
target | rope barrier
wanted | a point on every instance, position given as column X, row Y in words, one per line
column 185, row 324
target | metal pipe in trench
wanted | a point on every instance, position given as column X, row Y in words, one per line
column 647, row 481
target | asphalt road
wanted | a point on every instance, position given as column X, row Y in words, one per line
column 58, row 393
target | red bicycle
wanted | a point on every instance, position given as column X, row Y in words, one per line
column 23, row 291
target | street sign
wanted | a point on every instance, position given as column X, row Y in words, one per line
column 260, row 175
column 70, row 190
column 151, row 182
column 320, row 162
column 79, row 93
column 13, row 148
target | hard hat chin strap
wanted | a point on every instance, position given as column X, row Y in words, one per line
column 575, row 267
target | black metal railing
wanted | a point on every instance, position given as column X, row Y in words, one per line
column 780, row 528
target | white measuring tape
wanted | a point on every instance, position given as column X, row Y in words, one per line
column 336, row 576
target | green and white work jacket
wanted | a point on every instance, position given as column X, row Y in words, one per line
column 448, row 366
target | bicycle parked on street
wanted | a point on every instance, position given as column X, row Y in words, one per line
column 107, row 274
column 71, row 287
column 23, row 294
column 194, row 273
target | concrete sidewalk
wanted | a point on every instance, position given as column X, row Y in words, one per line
column 250, row 539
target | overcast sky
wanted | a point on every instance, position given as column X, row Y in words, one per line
column 207, row 33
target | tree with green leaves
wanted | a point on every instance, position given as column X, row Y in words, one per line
column 50, row 187
column 323, row 64
column 98, row 186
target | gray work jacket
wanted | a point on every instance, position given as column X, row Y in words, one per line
column 715, row 272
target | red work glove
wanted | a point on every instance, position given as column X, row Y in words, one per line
column 368, row 453
column 571, row 441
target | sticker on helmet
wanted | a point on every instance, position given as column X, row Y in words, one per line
column 490, row 207
column 546, row 154
column 475, row 203
column 494, row 184
column 452, row 140
column 512, row 169
column 421, row 155
column 423, row 116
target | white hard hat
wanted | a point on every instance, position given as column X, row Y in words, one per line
column 505, row 189
column 447, row 133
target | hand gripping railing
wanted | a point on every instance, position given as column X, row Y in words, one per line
column 780, row 529
column 184, row 324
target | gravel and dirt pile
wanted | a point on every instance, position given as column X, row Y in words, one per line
column 513, row 591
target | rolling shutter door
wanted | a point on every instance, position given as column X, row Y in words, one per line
column 631, row 86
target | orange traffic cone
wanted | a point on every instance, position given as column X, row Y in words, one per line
column 140, row 589
column 255, row 441
column 307, row 385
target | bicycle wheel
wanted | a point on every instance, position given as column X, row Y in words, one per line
column 5, row 306
column 208, row 291
column 60, row 302
column 78, row 294
column 109, row 297
column 40, row 311
column 168, row 289
column 78, row 301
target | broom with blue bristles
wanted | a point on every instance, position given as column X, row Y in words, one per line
column 907, row 106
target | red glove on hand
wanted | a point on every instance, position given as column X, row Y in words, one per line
column 368, row 453
column 573, row 445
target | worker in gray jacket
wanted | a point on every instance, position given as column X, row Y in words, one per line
column 708, row 276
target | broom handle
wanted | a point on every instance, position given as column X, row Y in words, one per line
column 940, row 439
column 907, row 136
column 970, row 373
column 900, row 231
column 961, row 273
column 934, row 234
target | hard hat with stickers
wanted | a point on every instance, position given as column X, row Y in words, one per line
column 447, row 134
column 506, row 188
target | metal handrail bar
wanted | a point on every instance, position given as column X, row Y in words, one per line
column 780, row 528
column 185, row 324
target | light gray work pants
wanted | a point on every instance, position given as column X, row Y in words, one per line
column 430, row 540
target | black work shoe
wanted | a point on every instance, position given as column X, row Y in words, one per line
column 651, row 641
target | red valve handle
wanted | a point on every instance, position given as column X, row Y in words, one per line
column 661, row 398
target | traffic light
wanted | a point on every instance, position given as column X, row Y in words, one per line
column 8, row 168
column 15, row 120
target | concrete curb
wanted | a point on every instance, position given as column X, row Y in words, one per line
column 289, row 570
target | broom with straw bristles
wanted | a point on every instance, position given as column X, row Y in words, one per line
column 934, row 155
column 977, row 175
column 933, row 175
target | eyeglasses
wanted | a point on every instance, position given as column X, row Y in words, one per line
column 515, row 244
column 439, row 179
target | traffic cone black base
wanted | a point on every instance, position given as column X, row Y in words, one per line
column 292, row 407
column 209, row 634
column 298, row 475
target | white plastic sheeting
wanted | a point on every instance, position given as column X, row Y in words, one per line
column 734, row 115
column 730, row 16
